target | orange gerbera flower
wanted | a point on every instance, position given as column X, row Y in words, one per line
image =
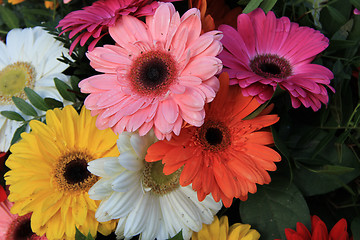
column 227, row 155
column 215, row 13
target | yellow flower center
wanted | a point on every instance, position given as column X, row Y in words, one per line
column 13, row 79
column 157, row 181
column 71, row 172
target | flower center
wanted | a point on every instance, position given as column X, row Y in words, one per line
column 20, row 228
column 155, row 180
column 152, row 73
column 214, row 136
column 71, row 172
column 13, row 79
column 271, row 66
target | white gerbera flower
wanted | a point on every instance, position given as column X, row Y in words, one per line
column 146, row 201
column 29, row 59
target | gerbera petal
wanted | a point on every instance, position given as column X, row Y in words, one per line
column 262, row 39
column 145, row 206
column 133, row 104
column 57, row 168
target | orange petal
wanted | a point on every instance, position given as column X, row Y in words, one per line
column 224, row 179
column 261, row 138
column 191, row 168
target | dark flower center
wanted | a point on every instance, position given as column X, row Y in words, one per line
column 152, row 73
column 20, row 229
column 76, row 171
column 214, row 135
column 271, row 66
column 23, row 230
column 71, row 172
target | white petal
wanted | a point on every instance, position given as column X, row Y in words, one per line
column 124, row 204
column 208, row 207
column 138, row 144
column 126, row 181
column 123, row 142
column 137, row 219
column 96, row 167
column 101, row 189
column 130, row 161
column 186, row 211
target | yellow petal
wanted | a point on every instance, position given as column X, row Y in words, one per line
column 79, row 209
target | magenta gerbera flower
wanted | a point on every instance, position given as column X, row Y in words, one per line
column 158, row 74
column 93, row 21
column 265, row 52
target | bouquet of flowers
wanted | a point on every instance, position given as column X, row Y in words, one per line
column 198, row 119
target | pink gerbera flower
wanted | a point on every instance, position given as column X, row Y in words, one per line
column 14, row 227
column 93, row 21
column 157, row 75
column 265, row 52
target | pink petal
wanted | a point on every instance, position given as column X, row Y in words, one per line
column 129, row 29
column 204, row 67
column 169, row 109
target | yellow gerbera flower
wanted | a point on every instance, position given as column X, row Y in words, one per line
column 219, row 230
column 49, row 175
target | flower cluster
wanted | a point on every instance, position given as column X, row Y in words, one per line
column 138, row 120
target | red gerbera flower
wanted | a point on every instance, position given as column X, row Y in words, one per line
column 227, row 155
column 93, row 21
column 318, row 231
column 3, row 195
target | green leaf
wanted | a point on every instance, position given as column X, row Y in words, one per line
column 24, row 107
column 74, row 81
column 267, row 5
column 279, row 143
column 36, row 12
column 275, row 207
column 252, row 5
column 355, row 226
column 325, row 181
column 356, row 3
column 80, row 236
column 336, row 15
column 35, row 99
column 323, row 143
column 53, row 103
column 12, row 115
column 178, row 236
column 9, row 17
column 63, row 89
column 333, row 169
column 17, row 134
